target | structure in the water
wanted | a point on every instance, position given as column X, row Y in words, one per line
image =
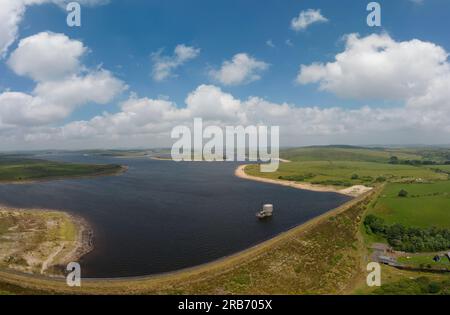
column 266, row 212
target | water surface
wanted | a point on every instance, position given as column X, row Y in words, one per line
column 162, row 216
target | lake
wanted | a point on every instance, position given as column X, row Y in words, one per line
column 163, row 216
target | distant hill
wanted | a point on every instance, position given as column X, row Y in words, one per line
column 348, row 153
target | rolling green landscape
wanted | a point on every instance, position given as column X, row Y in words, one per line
column 17, row 168
column 409, row 208
column 347, row 173
column 412, row 209
column 426, row 205
column 349, row 153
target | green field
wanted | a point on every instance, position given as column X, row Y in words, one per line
column 422, row 285
column 23, row 169
column 425, row 260
column 347, row 153
column 347, row 173
column 426, row 205
column 347, row 166
column 444, row 168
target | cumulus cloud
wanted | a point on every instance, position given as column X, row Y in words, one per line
column 55, row 100
column 47, row 56
column 211, row 103
column 307, row 18
column 98, row 86
column 63, row 83
column 148, row 122
column 414, row 73
column 21, row 109
column 378, row 67
column 12, row 12
column 164, row 66
column 242, row 69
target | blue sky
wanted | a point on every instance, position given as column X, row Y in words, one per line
column 122, row 35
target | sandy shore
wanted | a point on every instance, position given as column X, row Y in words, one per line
column 353, row 191
column 157, row 158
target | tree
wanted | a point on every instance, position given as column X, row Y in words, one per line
column 403, row 193
column 393, row 160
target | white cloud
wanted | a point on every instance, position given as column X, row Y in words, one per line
column 378, row 67
column 148, row 122
column 55, row 100
column 63, row 83
column 414, row 73
column 211, row 103
column 270, row 43
column 12, row 12
column 241, row 69
column 21, row 109
column 98, row 86
column 163, row 66
column 47, row 56
column 307, row 18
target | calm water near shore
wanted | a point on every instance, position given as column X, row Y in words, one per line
column 162, row 216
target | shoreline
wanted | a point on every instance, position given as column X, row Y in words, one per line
column 354, row 191
column 157, row 158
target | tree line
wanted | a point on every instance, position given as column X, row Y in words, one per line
column 409, row 239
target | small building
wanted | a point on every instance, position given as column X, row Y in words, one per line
column 266, row 212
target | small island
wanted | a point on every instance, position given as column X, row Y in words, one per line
column 20, row 169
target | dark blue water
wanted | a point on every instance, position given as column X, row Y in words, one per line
column 163, row 216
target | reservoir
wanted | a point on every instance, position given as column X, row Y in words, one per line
column 162, row 216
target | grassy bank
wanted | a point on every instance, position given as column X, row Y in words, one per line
column 17, row 169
